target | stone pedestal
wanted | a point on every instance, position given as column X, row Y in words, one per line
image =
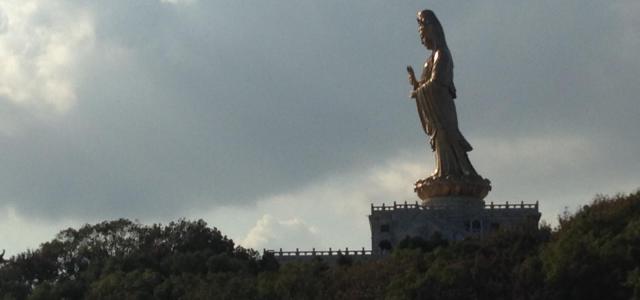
column 466, row 189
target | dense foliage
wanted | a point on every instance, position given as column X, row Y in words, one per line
column 126, row 260
column 593, row 254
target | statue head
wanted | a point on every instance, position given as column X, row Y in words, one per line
column 431, row 33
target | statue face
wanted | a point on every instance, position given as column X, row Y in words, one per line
column 426, row 34
column 425, row 28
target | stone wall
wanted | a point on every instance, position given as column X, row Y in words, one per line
column 390, row 224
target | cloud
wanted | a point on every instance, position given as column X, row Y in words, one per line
column 270, row 233
column 334, row 209
column 173, row 109
column 41, row 44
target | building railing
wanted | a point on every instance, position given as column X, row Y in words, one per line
column 415, row 205
column 314, row 252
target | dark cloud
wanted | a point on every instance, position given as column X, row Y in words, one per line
column 204, row 104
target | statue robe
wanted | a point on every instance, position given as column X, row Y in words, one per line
column 437, row 112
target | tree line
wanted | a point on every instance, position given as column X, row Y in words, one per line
column 593, row 253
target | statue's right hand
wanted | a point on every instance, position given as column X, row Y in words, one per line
column 412, row 77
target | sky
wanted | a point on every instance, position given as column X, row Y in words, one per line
column 280, row 122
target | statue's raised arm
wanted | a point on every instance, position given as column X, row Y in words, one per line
column 434, row 93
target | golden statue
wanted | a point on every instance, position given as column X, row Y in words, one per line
column 434, row 93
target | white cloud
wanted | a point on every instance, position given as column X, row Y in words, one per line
column 328, row 213
column 40, row 45
column 271, row 233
